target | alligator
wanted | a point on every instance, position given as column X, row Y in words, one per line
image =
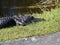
column 22, row 20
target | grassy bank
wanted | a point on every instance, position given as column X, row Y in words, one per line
column 51, row 25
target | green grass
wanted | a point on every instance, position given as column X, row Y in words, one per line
column 51, row 25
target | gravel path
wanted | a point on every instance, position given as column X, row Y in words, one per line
column 52, row 39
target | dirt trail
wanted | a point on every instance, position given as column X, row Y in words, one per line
column 52, row 39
